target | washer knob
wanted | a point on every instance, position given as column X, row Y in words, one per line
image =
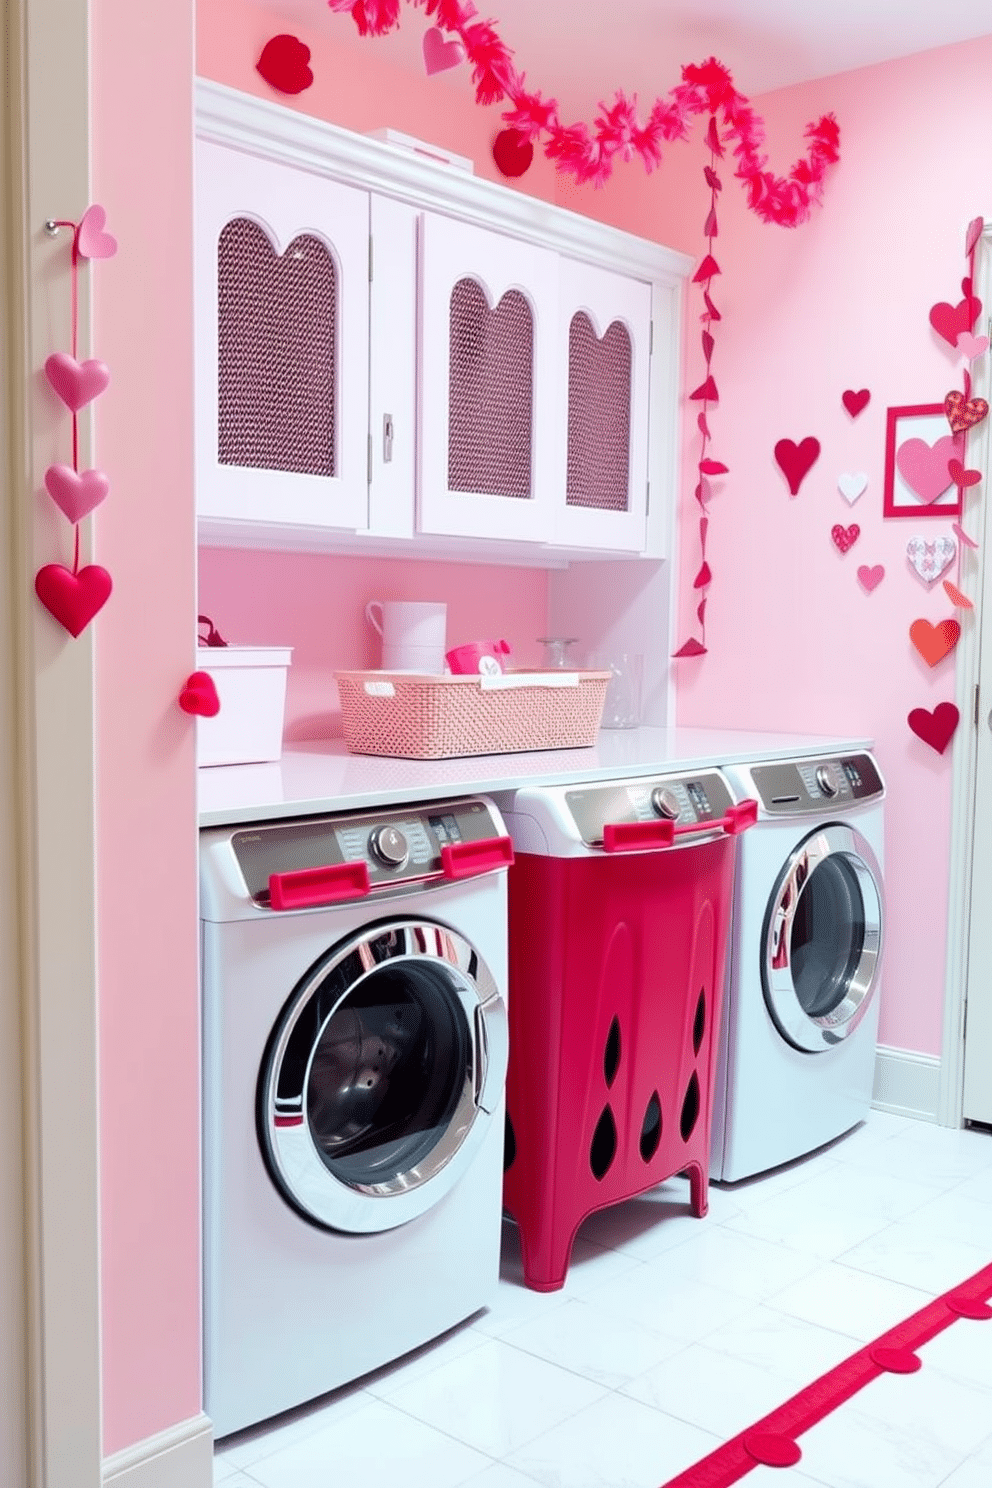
column 665, row 802
column 389, row 846
column 826, row 779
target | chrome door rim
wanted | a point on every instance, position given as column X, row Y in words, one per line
column 284, row 1129
column 807, row 1032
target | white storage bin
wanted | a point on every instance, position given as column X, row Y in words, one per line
column 251, row 685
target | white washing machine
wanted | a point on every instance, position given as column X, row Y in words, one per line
column 354, row 1063
column 797, row 1055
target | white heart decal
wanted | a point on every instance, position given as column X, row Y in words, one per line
column 852, row 484
column 930, row 556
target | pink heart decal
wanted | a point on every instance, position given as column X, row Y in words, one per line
column 936, row 728
column 73, row 599
column 962, row 477
column 795, row 460
column 855, row 401
column 975, row 229
column 959, row 532
column 972, row 346
column 851, row 485
column 199, row 695
column 845, row 537
column 956, row 597
column 930, row 557
column 924, row 467
column 77, row 383
column 870, row 578
column 75, row 494
column 91, row 240
column 439, row 54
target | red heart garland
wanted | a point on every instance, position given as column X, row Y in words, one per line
column 964, row 413
column 512, row 152
column 705, row 393
column 962, row 477
column 712, row 179
column 283, row 64
column 975, row 229
column 936, row 728
column 795, row 460
column 703, row 577
column 713, row 467
column 854, row 402
column 73, row 599
column 710, row 229
column 199, row 695
column 950, row 320
column 708, row 344
column 711, row 309
column 691, row 648
column 708, row 269
column 845, row 537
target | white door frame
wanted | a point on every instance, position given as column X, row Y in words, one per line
column 47, row 760
column 976, row 577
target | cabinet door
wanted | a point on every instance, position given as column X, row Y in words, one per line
column 489, row 449
column 604, row 351
column 282, row 305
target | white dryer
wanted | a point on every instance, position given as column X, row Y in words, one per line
column 354, row 1062
column 800, row 1021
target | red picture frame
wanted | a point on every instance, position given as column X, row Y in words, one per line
column 913, row 475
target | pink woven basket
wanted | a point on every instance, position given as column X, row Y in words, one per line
column 411, row 717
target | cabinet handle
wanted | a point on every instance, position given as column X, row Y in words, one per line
column 387, row 438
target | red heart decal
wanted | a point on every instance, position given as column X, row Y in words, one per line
column 512, row 152
column 854, row 402
column 950, row 320
column 926, row 468
column 691, row 648
column 283, row 64
column 75, row 495
column 962, row 477
column 73, row 598
column 964, row 413
column 77, row 383
column 439, row 54
column 795, row 460
column 934, row 642
column 199, row 695
column 91, row 240
column 845, row 537
column 870, row 578
column 936, row 728
column 707, row 270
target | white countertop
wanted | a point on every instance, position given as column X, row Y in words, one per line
column 323, row 777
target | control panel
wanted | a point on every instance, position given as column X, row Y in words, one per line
column 682, row 799
column 808, row 786
column 397, row 847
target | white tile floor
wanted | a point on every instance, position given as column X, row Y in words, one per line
column 673, row 1334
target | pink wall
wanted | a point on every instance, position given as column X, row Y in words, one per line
column 146, row 866
column 843, row 302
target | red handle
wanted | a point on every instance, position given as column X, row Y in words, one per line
column 737, row 819
column 309, row 887
column 466, row 859
column 643, row 836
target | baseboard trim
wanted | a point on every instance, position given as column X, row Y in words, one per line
column 907, row 1083
column 182, row 1456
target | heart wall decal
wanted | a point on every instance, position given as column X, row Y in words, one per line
column 284, row 64
column 870, row 578
column 926, row 467
column 964, row 413
column 949, row 321
column 852, row 484
column 796, row 460
column 937, row 728
column 930, row 557
column 844, row 538
column 855, row 401
column 934, row 642
column 73, row 599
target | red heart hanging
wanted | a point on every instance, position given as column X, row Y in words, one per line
column 708, row 344
column 950, row 320
column 708, row 269
column 962, row 413
column 73, row 598
column 77, row 383
column 795, row 460
column 712, row 179
column 75, row 494
column 934, row 642
column 713, row 137
column 711, row 309
column 691, row 648
column 703, row 577
column 854, row 402
column 283, row 64
column 701, row 612
column 91, row 240
column 199, row 695
column 705, row 393
column 710, row 229
column 845, row 537
column 962, row 477
column 936, row 728
column 975, row 229
column 702, row 425
column 713, row 467
column 956, row 597
column 512, row 152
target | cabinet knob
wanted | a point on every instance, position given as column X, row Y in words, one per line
column 387, row 438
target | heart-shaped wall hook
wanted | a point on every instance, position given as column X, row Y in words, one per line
column 91, row 240
column 73, row 599
column 283, row 64
column 795, row 460
column 199, row 695
column 936, row 728
column 74, row 493
column 440, row 54
column 934, row 642
column 76, row 383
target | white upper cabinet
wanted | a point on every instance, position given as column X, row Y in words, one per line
column 282, row 343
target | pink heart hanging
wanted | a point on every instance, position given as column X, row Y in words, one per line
column 930, row 556
column 844, row 538
column 77, row 383
column 870, row 578
column 855, row 400
column 73, row 598
column 956, row 597
column 795, row 460
column 91, row 240
column 851, row 485
column 75, row 494
column 924, row 467
column 972, row 346
column 960, row 533
column 975, row 229
column 439, row 54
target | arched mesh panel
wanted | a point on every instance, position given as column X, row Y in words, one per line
column 599, row 393
column 490, row 392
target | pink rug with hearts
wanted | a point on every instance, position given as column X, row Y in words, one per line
column 772, row 1440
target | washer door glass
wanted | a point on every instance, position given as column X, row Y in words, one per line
column 382, row 1075
column 822, row 940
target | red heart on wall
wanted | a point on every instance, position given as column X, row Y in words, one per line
column 199, row 695
column 934, row 642
column 73, row 598
column 950, row 320
column 963, row 413
column 512, row 152
column 795, row 460
column 962, row 477
column 936, row 728
column 845, row 537
column 855, row 401
column 283, row 64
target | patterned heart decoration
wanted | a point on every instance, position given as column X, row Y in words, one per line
column 845, row 537
column 956, row 597
column 199, row 695
column 283, row 64
column 73, row 599
column 934, row 642
column 91, row 240
column 75, row 494
column 964, row 413
column 854, row 402
column 512, row 152
column 852, row 484
column 930, row 556
column 924, row 467
column 936, row 728
column 77, row 383
column 439, row 55
column 795, row 460
column 870, row 578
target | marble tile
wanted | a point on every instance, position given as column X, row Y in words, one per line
column 246, row 1447
column 773, row 1340
column 591, row 1340
column 963, row 1351
column 712, row 1390
column 909, row 1254
column 849, row 1450
column 738, row 1263
column 848, row 1301
column 799, row 1219
column 453, row 1345
column 662, row 1300
column 931, row 1407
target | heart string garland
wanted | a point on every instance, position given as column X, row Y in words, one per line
column 73, row 596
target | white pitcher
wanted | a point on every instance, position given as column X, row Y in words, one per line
column 413, row 634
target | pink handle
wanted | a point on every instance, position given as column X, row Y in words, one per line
column 309, row 887
column 645, row 836
column 466, row 859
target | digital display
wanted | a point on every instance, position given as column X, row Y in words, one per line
column 699, row 798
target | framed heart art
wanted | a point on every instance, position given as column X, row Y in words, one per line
column 923, row 454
